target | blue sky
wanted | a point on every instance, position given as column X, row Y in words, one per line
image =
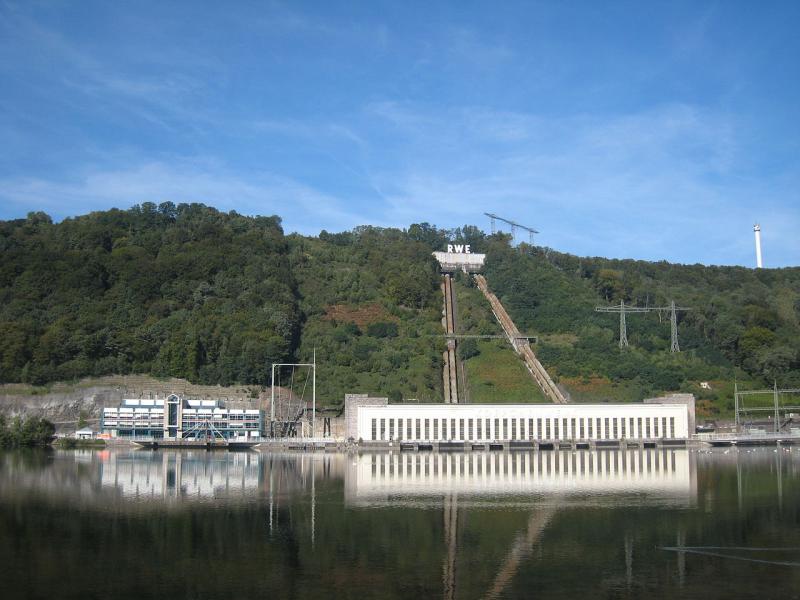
column 652, row 130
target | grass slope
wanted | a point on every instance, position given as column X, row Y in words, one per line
column 494, row 372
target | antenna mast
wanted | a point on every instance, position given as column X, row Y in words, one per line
column 757, row 231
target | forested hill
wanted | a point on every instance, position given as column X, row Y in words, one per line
column 185, row 291
column 188, row 291
column 743, row 323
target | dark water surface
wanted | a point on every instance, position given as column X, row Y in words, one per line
column 584, row 524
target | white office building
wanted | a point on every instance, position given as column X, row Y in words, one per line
column 174, row 417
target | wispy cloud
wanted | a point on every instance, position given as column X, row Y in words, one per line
column 668, row 182
column 302, row 207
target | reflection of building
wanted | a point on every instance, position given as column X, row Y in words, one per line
column 174, row 417
column 181, row 474
column 666, row 474
column 373, row 419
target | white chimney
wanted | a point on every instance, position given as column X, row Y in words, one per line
column 757, row 230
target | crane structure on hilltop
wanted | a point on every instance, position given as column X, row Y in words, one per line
column 514, row 227
column 623, row 326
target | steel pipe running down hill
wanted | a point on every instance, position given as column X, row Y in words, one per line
column 521, row 345
column 450, row 374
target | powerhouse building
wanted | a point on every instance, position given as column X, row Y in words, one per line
column 375, row 420
column 174, row 417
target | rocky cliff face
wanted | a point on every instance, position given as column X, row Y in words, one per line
column 64, row 409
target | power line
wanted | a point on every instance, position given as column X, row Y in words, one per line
column 514, row 227
column 623, row 326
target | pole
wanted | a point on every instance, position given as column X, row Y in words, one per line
column 673, row 325
column 623, row 328
column 314, row 396
column 775, row 398
column 736, row 404
column 757, row 230
column 272, row 405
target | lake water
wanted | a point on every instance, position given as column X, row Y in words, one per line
column 578, row 524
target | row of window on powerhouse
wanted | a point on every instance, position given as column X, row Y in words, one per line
column 113, row 424
column 477, row 429
column 158, row 432
column 186, row 411
column 186, row 418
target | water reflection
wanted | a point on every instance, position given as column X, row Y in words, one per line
column 190, row 475
column 651, row 475
column 485, row 525
column 372, row 479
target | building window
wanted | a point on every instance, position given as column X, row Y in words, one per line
column 564, row 433
column 419, row 429
column 436, row 429
column 639, row 429
column 374, row 429
column 538, row 429
column 391, row 429
column 530, row 429
column 616, row 425
column 647, row 428
column 622, row 424
column 589, row 423
column 383, row 429
column 672, row 428
column 599, row 423
column 461, row 429
column 513, row 429
column 663, row 427
column 496, row 429
column 547, row 429
column 480, row 429
column 400, row 429
column 471, row 432
column 504, row 430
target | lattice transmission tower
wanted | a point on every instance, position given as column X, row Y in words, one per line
column 622, row 309
column 514, row 227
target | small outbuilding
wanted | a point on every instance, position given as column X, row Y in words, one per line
column 85, row 434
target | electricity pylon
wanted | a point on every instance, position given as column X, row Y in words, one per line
column 623, row 328
column 622, row 310
column 673, row 323
column 514, row 227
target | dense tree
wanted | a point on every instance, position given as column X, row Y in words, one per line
column 214, row 297
column 740, row 319
column 183, row 290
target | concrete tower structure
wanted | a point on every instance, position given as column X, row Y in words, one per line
column 757, row 230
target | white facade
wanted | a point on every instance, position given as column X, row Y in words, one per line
column 84, row 434
column 460, row 261
column 145, row 418
column 521, row 422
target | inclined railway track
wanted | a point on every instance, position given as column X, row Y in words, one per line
column 521, row 345
column 450, row 366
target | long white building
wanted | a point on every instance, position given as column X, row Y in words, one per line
column 375, row 420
